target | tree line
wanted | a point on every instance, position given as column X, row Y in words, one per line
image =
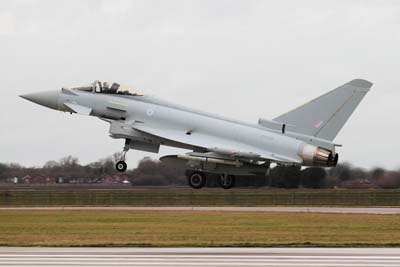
column 151, row 172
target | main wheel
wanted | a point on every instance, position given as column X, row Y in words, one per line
column 226, row 181
column 121, row 166
column 197, row 180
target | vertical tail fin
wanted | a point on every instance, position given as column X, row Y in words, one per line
column 325, row 116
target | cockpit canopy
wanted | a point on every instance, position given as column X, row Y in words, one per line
column 109, row 88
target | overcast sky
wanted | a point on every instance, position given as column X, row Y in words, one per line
column 243, row 59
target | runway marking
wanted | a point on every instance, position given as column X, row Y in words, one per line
column 337, row 264
column 291, row 257
column 200, row 256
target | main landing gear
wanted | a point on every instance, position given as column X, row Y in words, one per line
column 121, row 165
column 197, row 180
column 226, row 181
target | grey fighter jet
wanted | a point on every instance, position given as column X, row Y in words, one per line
column 228, row 147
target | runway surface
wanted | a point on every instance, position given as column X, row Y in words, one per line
column 242, row 209
column 287, row 257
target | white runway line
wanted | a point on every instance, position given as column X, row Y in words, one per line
column 338, row 264
column 177, row 257
column 282, row 257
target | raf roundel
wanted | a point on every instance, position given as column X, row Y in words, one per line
column 150, row 112
column 317, row 124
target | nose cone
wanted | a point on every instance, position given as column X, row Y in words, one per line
column 47, row 99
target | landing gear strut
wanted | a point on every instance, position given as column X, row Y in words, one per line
column 121, row 165
column 226, row 181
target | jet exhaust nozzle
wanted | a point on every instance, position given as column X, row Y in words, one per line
column 318, row 156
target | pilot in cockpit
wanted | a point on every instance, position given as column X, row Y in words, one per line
column 106, row 87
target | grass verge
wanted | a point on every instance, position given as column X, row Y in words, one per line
column 196, row 228
column 187, row 197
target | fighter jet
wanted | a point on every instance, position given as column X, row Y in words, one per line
column 216, row 144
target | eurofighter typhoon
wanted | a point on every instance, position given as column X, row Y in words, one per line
column 219, row 145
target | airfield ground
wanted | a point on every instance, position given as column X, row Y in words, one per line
column 166, row 228
column 195, row 228
column 183, row 196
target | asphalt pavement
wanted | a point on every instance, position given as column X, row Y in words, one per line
column 287, row 257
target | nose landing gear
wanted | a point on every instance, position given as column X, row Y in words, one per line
column 121, row 165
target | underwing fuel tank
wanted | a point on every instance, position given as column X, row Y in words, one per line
column 213, row 165
column 318, row 156
column 212, row 160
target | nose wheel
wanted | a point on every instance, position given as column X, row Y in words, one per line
column 121, row 165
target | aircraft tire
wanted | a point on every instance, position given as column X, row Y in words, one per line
column 197, row 180
column 226, row 181
column 121, row 166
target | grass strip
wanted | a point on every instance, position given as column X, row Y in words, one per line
column 196, row 228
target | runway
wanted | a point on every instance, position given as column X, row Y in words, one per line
column 285, row 257
column 348, row 210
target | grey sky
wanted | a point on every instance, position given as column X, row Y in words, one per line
column 244, row 59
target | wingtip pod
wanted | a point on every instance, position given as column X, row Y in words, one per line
column 361, row 83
